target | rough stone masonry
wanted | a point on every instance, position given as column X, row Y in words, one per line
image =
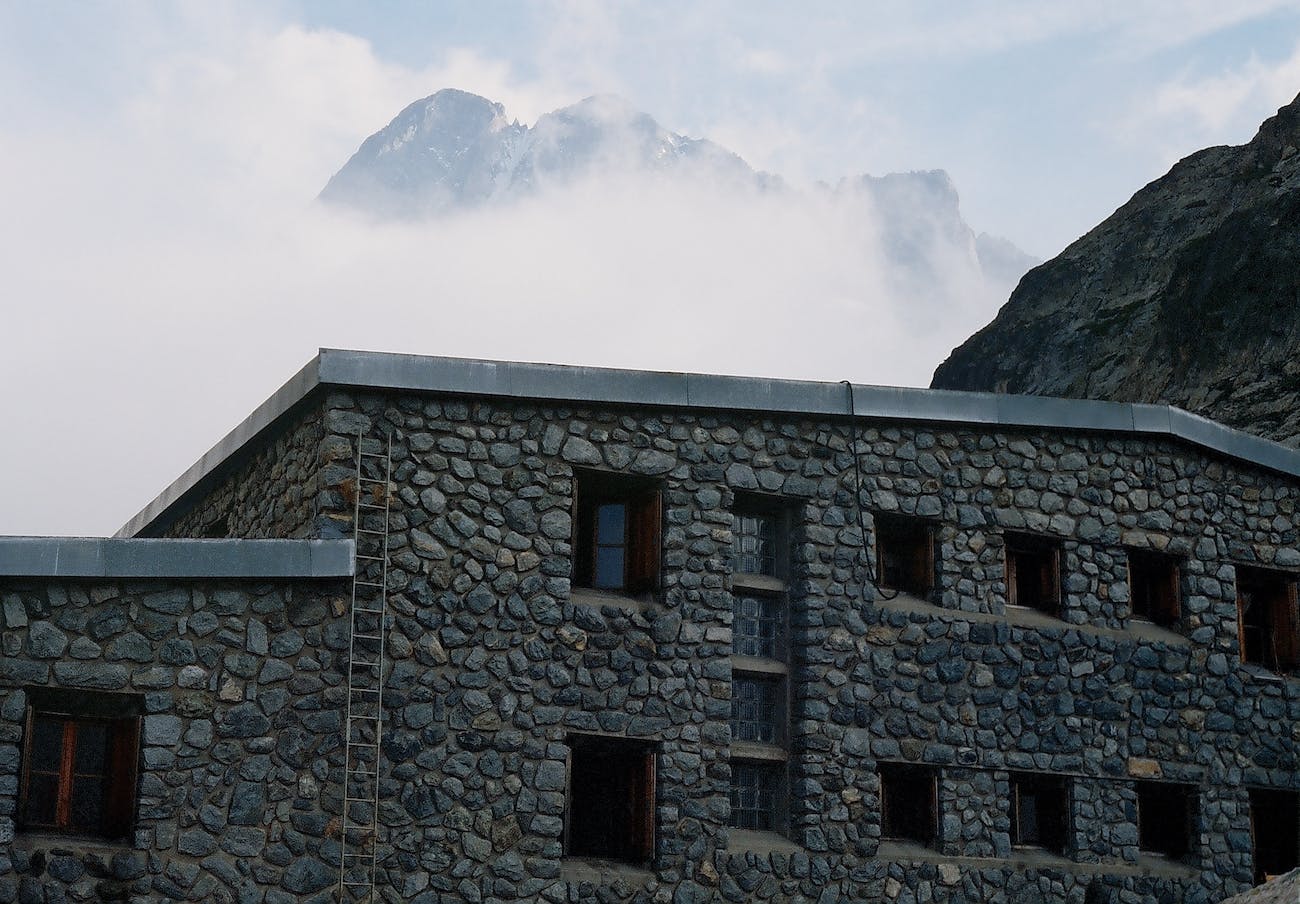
column 496, row 660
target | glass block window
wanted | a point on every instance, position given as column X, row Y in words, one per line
column 758, row 627
column 755, row 796
column 753, row 544
column 756, row 710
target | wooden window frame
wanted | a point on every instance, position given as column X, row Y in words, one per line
column 890, row 774
column 643, row 530
column 894, row 529
column 1165, row 606
column 1280, row 642
column 1050, row 595
column 641, row 758
column 121, row 764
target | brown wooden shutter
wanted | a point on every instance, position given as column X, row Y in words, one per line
column 1243, row 600
column 1168, row 603
column 645, row 513
column 120, row 784
column 644, row 816
column 1286, row 625
column 1052, row 580
column 927, row 560
column 28, row 723
column 1013, row 598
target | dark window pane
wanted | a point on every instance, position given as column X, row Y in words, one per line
column 908, row 802
column 756, row 710
column 87, row 813
column 758, row 627
column 755, row 796
column 1165, row 813
column 47, row 743
column 42, row 798
column 611, row 524
column 753, row 544
column 1275, row 827
column 609, row 567
column 92, row 748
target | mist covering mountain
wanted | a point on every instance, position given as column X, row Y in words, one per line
column 1188, row 294
column 454, row 152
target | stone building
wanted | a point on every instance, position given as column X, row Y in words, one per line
column 663, row 637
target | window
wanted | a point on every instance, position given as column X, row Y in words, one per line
column 1266, row 618
column 909, row 802
column 1275, row 831
column 616, row 540
column 1034, row 572
column 80, row 757
column 611, row 804
column 756, row 796
column 758, row 710
column 905, row 554
column 758, row 626
column 760, row 665
column 758, row 536
column 1039, row 811
column 1166, row 818
column 1155, row 593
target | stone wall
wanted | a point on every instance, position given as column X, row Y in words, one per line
column 481, row 548
column 272, row 494
column 240, row 693
column 495, row 660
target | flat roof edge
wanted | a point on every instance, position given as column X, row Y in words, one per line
column 111, row 557
column 263, row 416
column 388, row 371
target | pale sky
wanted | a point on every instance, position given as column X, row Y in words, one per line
column 165, row 268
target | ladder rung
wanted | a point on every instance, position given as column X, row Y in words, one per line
column 368, row 584
column 358, row 636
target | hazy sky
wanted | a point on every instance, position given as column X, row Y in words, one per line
column 164, row 267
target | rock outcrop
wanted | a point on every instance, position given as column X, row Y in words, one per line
column 1188, row 294
column 1282, row 890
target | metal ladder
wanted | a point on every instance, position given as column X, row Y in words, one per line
column 363, row 722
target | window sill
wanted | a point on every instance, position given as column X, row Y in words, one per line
column 1024, row 617
column 80, row 844
column 1265, row 674
column 758, row 665
column 1030, row 858
column 598, row 871
column 589, row 596
column 744, row 580
column 757, row 841
column 758, row 753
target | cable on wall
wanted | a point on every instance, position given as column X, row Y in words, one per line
column 872, row 579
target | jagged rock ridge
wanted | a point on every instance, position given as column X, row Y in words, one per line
column 1188, row 294
column 455, row 151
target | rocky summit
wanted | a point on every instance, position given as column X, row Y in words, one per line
column 1187, row 295
column 454, row 151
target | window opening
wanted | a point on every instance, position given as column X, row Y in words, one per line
column 1266, row 618
column 757, row 710
column 1154, row 587
column 1034, row 572
column 1039, row 811
column 909, row 802
column 617, row 533
column 1166, row 815
column 81, row 753
column 611, row 801
column 905, row 554
column 1275, row 832
column 756, row 796
column 758, row 626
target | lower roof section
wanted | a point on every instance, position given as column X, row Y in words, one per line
column 99, row 557
column 382, row 371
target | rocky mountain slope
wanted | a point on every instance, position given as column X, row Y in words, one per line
column 455, row 151
column 1188, row 294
